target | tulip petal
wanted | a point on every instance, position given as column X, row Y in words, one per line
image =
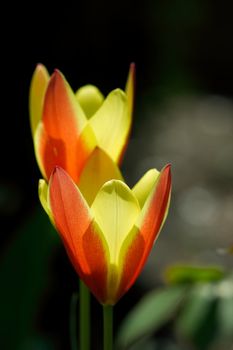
column 130, row 92
column 130, row 88
column 90, row 99
column 144, row 185
column 71, row 156
column 115, row 209
column 82, row 238
column 43, row 196
column 63, row 117
column 155, row 207
column 98, row 169
column 65, row 139
column 111, row 124
column 38, row 87
column 139, row 242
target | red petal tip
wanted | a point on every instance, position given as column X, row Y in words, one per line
column 56, row 75
column 56, row 78
column 167, row 169
column 168, row 166
column 57, row 71
column 58, row 168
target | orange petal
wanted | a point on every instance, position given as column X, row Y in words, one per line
column 62, row 114
column 146, row 231
column 72, row 157
column 81, row 236
column 65, row 139
column 50, row 152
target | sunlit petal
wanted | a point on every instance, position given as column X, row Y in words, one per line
column 130, row 88
column 63, row 117
column 38, row 87
column 130, row 94
column 90, row 99
column 98, row 169
column 115, row 209
column 144, row 185
column 82, row 237
column 51, row 152
column 111, row 124
column 43, row 196
column 145, row 231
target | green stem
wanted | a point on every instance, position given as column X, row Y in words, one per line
column 84, row 317
column 108, row 327
column 73, row 322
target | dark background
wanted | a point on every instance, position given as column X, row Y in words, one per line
column 179, row 47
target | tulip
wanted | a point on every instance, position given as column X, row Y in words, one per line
column 108, row 242
column 83, row 133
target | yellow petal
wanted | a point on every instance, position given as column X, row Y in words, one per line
column 130, row 87
column 38, row 87
column 99, row 169
column 90, row 99
column 115, row 209
column 145, row 185
column 111, row 124
column 38, row 140
column 43, row 196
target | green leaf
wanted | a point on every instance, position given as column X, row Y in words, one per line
column 151, row 313
column 145, row 344
column 158, row 344
column 198, row 320
column 225, row 308
column 24, row 275
column 189, row 274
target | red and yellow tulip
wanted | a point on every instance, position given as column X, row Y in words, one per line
column 108, row 242
column 79, row 131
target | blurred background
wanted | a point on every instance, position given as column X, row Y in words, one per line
column 183, row 115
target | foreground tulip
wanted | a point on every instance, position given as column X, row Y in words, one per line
column 109, row 242
column 67, row 128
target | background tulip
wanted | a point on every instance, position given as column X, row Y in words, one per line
column 67, row 128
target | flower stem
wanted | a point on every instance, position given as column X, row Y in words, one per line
column 73, row 322
column 84, row 317
column 108, row 327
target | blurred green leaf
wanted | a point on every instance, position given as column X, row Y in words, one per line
column 225, row 308
column 24, row 276
column 197, row 322
column 145, row 344
column 187, row 274
column 152, row 312
column 155, row 344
